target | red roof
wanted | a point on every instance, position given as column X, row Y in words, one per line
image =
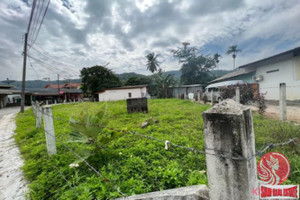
column 72, row 85
column 54, row 86
column 66, row 85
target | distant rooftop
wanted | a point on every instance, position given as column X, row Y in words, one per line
column 124, row 88
column 185, row 86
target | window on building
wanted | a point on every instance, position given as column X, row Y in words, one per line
column 271, row 71
column 129, row 94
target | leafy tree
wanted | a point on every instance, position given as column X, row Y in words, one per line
column 217, row 58
column 195, row 68
column 152, row 63
column 138, row 81
column 162, row 82
column 233, row 50
column 97, row 78
column 183, row 54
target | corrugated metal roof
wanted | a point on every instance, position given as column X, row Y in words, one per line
column 230, row 75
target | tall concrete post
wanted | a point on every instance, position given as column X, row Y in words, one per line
column 33, row 107
column 49, row 130
column 212, row 97
column 38, row 109
column 237, row 94
column 282, row 101
column 229, row 135
column 199, row 96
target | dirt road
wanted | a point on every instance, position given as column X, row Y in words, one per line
column 12, row 183
column 272, row 111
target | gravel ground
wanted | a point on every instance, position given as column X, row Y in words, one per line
column 12, row 183
column 272, row 111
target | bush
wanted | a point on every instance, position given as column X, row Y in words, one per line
column 246, row 93
column 261, row 103
column 204, row 99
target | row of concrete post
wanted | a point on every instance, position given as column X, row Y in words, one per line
column 45, row 113
column 282, row 99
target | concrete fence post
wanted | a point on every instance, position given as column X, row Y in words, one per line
column 237, row 94
column 282, row 101
column 38, row 115
column 55, row 102
column 33, row 108
column 228, row 131
column 49, row 130
column 212, row 97
column 199, row 96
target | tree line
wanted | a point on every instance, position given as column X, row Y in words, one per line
column 196, row 68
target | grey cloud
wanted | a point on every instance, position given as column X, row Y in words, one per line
column 202, row 7
column 165, row 42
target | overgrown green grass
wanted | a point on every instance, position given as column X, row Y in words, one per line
column 134, row 164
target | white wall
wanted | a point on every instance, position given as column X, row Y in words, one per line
column 289, row 73
column 122, row 94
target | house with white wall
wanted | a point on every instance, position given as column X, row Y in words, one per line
column 123, row 93
column 270, row 72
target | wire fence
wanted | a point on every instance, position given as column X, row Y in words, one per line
column 167, row 144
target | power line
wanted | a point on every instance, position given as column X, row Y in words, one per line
column 36, row 73
column 31, row 15
column 37, row 19
column 55, row 61
column 48, row 66
column 44, row 64
column 40, row 24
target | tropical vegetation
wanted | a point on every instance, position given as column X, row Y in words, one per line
column 128, row 162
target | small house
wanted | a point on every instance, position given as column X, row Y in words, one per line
column 184, row 90
column 123, row 93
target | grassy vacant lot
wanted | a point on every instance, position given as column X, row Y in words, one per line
column 134, row 164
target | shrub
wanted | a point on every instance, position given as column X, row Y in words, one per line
column 261, row 103
column 246, row 92
column 204, row 99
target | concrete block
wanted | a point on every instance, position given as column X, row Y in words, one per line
column 196, row 192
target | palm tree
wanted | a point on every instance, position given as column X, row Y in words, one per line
column 216, row 58
column 233, row 50
column 152, row 63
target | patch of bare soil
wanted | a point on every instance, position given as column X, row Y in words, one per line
column 12, row 183
column 272, row 111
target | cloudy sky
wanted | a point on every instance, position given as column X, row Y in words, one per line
column 83, row 33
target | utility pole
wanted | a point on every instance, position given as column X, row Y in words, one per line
column 24, row 73
column 25, row 57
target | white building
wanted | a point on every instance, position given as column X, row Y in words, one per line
column 270, row 72
column 122, row 93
